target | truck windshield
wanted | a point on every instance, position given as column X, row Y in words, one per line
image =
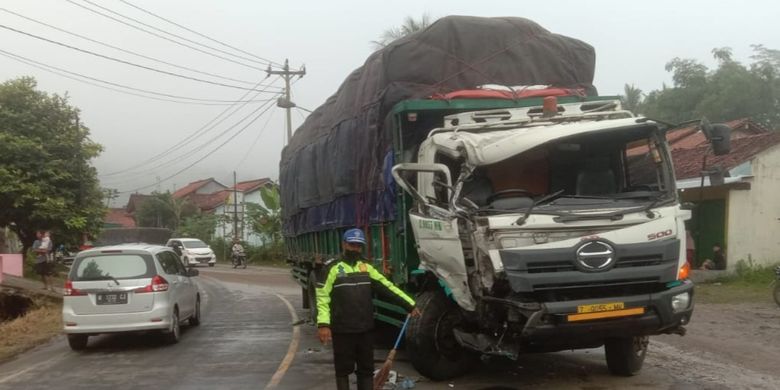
column 614, row 169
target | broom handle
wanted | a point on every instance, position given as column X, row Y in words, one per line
column 401, row 334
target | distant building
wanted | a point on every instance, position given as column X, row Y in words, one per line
column 118, row 218
column 738, row 205
column 246, row 192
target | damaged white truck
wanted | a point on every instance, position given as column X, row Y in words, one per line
column 525, row 212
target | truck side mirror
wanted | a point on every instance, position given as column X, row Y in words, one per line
column 433, row 169
column 719, row 136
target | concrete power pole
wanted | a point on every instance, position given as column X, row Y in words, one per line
column 286, row 102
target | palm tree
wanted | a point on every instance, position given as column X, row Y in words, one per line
column 632, row 98
column 409, row 26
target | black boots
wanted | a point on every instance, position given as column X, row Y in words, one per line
column 342, row 383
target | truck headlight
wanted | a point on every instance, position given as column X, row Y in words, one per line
column 681, row 302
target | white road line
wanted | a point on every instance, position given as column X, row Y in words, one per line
column 288, row 359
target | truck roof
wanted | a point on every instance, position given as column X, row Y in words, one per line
column 414, row 105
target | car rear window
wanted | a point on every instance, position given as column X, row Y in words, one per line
column 112, row 266
column 195, row 244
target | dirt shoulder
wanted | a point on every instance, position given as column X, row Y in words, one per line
column 743, row 334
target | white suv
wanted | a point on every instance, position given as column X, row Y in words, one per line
column 193, row 251
column 128, row 288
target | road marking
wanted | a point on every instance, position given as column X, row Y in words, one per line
column 288, row 359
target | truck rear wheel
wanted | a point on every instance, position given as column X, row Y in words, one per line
column 626, row 355
column 432, row 346
column 311, row 294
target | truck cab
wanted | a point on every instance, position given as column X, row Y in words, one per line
column 545, row 229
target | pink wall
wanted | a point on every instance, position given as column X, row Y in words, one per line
column 10, row 264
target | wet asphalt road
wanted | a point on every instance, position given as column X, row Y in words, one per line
column 247, row 341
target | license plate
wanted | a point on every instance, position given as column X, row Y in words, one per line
column 600, row 307
column 112, row 299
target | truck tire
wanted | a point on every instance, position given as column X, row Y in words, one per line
column 430, row 341
column 777, row 292
column 311, row 293
column 626, row 355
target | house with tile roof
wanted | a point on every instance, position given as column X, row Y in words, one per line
column 735, row 196
column 118, row 218
column 234, row 203
column 200, row 187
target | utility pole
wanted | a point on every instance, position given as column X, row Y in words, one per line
column 235, row 207
column 286, row 101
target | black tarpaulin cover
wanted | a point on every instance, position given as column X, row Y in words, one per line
column 333, row 172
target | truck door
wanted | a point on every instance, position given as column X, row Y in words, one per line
column 436, row 234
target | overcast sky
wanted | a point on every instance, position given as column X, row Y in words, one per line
column 633, row 40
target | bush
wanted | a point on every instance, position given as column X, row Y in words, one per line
column 748, row 272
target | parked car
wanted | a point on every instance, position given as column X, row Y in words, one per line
column 193, row 251
column 129, row 288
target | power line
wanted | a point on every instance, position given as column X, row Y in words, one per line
column 190, row 138
column 162, row 37
column 64, row 73
column 257, row 138
column 122, row 61
column 124, row 50
column 197, row 33
column 265, row 62
column 206, row 155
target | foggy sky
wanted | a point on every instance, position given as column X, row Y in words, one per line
column 633, row 41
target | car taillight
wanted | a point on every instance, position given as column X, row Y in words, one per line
column 158, row 284
column 69, row 291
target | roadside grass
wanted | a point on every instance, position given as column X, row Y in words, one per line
column 60, row 271
column 36, row 327
column 749, row 283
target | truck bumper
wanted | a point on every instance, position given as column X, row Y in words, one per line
column 551, row 325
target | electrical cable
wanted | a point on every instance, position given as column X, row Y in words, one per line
column 124, row 50
column 64, row 73
column 208, row 126
column 122, row 61
column 197, row 33
column 204, row 157
column 257, row 138
column 174, row 35
column 59, row 71
column 162, row 37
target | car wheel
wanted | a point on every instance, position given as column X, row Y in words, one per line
column 431, row 343
column 626, row 355
column 173, row 335
column 195, row 319
column 78, row 342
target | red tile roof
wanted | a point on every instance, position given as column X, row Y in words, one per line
column 687, row 162
column 208, row 202
column 249, row 185
column 192, row 187
column 691, row 137
column 120, row 217
column 135, row 201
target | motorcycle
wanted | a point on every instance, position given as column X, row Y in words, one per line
column 239, row 260
column 777, row 285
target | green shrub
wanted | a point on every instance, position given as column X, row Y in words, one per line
column 748, row 272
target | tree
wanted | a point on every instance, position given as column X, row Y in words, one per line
column 162, row 210
column 409, row 26
column 46, row 177
column 267, row 220
column 200, row 226
column 730, row 91
column 632, row 98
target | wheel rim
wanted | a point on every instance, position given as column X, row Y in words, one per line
column 445, row 337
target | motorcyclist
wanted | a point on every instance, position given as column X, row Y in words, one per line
column 238, row 251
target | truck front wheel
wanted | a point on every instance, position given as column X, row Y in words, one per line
column 430, row 339
column 626, row 355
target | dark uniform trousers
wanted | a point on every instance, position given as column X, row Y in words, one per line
column 354, row 349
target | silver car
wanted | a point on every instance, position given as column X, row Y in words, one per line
column 128, row 288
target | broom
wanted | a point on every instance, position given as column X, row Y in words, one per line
column 381, row 376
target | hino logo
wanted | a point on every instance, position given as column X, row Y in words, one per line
column 595, row 255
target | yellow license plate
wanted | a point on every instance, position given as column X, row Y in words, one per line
column 600, row 307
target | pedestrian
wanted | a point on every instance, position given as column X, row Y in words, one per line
column 345, row 310
column 41, row 258
column 718, row 257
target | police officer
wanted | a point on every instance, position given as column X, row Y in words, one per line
column 345, row 311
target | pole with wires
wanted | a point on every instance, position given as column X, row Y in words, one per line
column 286, row 101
